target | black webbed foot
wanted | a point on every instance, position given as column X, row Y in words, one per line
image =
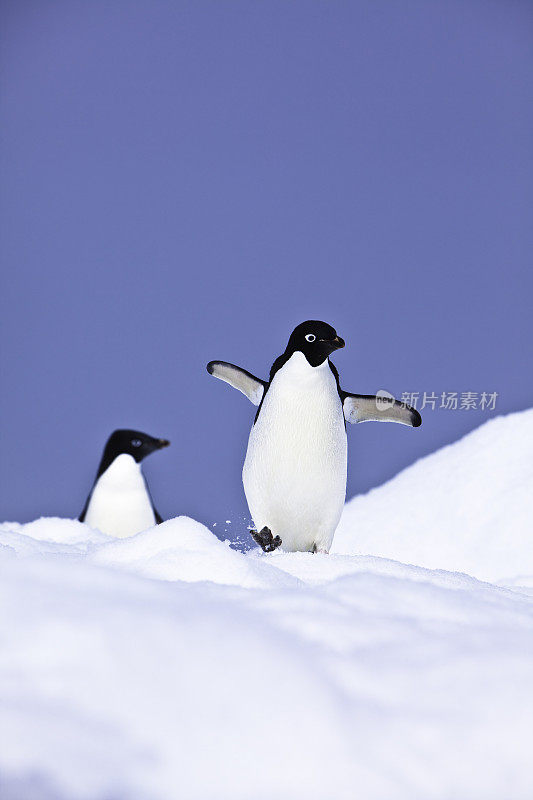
column 265, row 540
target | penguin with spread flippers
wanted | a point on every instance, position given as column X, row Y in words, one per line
column 119, row 503
column 294, row 473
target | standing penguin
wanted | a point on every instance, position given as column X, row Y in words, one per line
column 294, row 474
column 119, row 503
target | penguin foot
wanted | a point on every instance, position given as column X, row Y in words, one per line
column 265, row 540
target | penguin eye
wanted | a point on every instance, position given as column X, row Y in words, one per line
column 136, row 443
column 310, row 337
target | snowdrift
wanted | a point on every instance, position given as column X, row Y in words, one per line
column 466, row 508
column 170, row 666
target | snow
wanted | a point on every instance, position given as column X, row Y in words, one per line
column 467, row 507
column 170, row 665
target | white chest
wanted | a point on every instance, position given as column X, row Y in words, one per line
column 295, row 469
column 120, row 505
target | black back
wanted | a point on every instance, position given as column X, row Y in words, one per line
column 133, row 443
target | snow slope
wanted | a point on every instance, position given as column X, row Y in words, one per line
column 170, row 666
column 467, row 507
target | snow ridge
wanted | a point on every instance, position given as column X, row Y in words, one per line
column 468, row 507
column 169, row 665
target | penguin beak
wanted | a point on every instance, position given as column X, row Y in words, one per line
column 337, row 342
column 162, row 443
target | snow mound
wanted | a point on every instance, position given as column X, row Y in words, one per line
column 114, row 686
column 49, row 535
column 354, row 673
column 467, row 507
column 184, row 550
column 170, row 666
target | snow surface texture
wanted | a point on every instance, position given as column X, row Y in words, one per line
column 170, row 666
column 467, row 507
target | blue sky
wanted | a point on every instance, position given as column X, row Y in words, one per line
column 188, row 181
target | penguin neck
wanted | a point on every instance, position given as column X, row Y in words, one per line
column 122, row 473
column 109, row 457
column 296, row 364
column 298, row 371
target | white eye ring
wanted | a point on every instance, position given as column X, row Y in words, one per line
column 136, row 442
column 310, row 337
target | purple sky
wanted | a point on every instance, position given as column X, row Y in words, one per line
column 188, row 181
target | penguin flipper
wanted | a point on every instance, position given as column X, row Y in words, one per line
column 369, row 408
column 245, row 382
column 157, row 516
column 81, row 517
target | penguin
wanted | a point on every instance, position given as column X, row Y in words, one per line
column 295, row 469
column 119, row 503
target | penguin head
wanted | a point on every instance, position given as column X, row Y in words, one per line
column 133, row 443
column 316, row 340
